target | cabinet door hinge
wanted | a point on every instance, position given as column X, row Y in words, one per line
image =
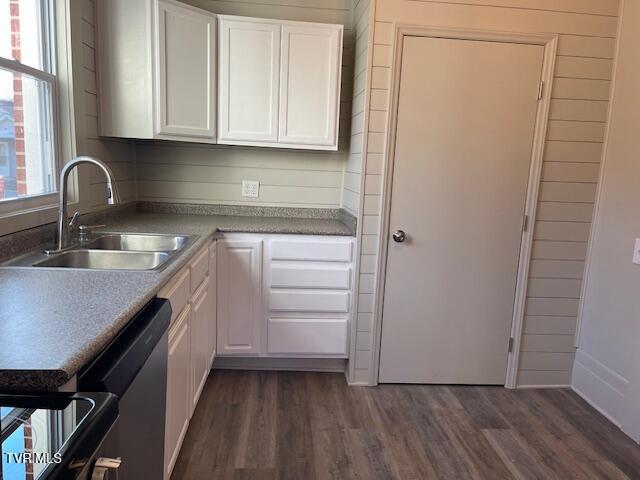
column 525, row 223
column 540, row 90
column 511, row 345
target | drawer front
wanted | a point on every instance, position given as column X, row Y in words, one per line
column 307, row 336
column 181, row 319
column 314, row 250
column 303, row 276
column 199, row 268
column 308, row 301
column 177, row 292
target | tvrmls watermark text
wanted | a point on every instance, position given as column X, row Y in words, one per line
column 31, row 457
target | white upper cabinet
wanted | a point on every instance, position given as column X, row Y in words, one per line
column 310, row 84
column 279, row 83
column 156, row 70
column 249, row 58
column 185, row 69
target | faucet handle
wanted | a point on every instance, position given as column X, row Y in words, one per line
column 74, row 220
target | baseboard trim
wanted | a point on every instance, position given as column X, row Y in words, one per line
column 285, row 364
column 599, row 386
column 526, row 387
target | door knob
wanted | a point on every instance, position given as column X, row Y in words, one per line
column 399, row 236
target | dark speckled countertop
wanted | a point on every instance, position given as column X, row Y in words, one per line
column 54, row 321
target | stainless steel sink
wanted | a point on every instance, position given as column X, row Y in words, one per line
column 111, row 251
column 138, row 242
column 106, row 260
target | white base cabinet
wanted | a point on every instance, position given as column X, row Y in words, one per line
column 247, row 295
column 200, row 355
column 239, row 295
column 191, row 350
column 213, row 303
column 284, row 295
column 178, row 409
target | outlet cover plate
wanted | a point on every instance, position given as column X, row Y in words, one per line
column 250, row 188
column 636, row 252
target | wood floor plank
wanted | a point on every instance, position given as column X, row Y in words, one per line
column 477, row 403
column 524, row 463
column 303, row 425
column 331, row 454
column 294, row 437
column 595, row 431
column 473, row 447
column 257, row 442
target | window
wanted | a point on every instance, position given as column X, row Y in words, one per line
column 27, row 86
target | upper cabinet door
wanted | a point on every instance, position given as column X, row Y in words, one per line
column 248, row 66
column 310, row 85
column 185, row 71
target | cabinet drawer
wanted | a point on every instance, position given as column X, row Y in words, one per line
column 177, row 292
column 181, row 319
column 308, row 301
column 309, row 276
column 307, row 336
column 199, row 268
column 326, row 251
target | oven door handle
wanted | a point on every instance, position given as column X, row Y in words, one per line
column 103, row 466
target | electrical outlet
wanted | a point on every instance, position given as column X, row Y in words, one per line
column 636, row 252
column 250, row 188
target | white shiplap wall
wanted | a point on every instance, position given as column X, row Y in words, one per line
column 353, row 168
column 580, row 93
column 188, row 173
column 117, row 153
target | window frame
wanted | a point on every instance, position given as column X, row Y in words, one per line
column 13, row 207
column 4, row 146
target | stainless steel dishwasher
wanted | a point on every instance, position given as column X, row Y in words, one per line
column 134, row 367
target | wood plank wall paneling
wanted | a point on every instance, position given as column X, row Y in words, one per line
column 580, row 94
column 116, row 153
column 353, row 167
column 190, row 173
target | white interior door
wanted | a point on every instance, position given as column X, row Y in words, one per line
column 185, row 71
column 248, row 64
column 465, row 127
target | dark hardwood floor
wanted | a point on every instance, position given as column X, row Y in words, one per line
column 296, row 425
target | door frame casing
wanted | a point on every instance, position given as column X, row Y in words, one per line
column 550, row 44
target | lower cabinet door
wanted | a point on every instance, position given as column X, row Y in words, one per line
column 178, row 410
column 240, row 310
column 200, row 356
column 212, row 317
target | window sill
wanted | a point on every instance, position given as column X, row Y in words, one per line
column 30, row 218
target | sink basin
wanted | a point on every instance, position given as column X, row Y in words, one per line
column 138, row 242
column 106, row 260
column 112, row 251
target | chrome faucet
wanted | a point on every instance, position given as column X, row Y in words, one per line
column 64, row 225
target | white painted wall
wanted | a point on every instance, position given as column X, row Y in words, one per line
column 353, row 169
column 186, row 173
column 580, row 93
column 607, row 366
